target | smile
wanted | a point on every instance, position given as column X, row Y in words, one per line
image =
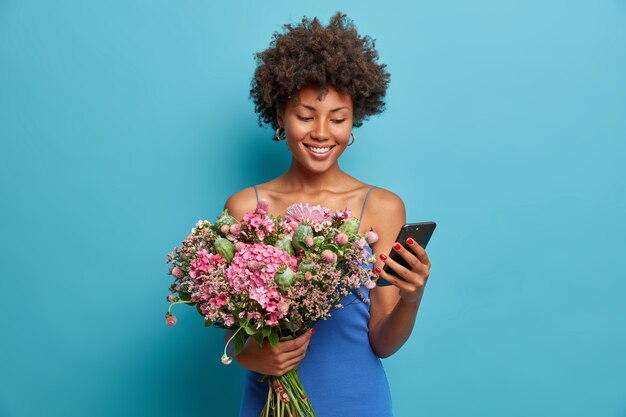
column 319, row 151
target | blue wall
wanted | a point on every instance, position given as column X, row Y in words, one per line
column 124, row 122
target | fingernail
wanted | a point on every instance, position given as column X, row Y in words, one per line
column 383, row 256
column 410, row 241
column 377, row 269
column 396, row 246
column 312, row 331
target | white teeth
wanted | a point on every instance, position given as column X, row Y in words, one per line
column 319, row 150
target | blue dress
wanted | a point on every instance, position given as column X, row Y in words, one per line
column 340, row 373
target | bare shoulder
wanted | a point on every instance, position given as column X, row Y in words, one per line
column 241, row 202
column 385, row 205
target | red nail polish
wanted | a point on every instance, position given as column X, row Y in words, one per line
column 383, row 256
column 410, row 241
column 312, row 331
column 396, row 246
column 377, row 269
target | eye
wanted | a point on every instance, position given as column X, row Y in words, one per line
column 304, row 119
column 339, row 121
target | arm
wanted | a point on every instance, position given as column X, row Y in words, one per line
column 394, row 308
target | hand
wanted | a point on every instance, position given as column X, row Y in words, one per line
column 275, row 361
column 412, row 281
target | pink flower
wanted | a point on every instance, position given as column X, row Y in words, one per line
column 273, row 294
column 360, row 243
column 239, row 246
column 255, row 221
column 216, row 258
column 253, row 266
column 299, row 212
column 308, row 241
column 225, row 229
column 341, row 239
column 235, row 229
column 371, row 237
column 328, row 256
column 229, row 321
column 221, row 300
column 271, row 306
column 254, row 315
column 342, row 214
column 177, row 272
column 257, row 283
column 283, row 307
column 272, row 321
column 369, row 284
column 226, row 360
column 171, row 320
column 262, row 206
column 171, row 298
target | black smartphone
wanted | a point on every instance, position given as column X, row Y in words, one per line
column 420, row 232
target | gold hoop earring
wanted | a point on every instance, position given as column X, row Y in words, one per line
column 352, row 137
column 278, row 136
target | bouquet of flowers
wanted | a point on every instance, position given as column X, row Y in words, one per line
column 271, row 278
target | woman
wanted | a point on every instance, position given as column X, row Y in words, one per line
column 314, row 84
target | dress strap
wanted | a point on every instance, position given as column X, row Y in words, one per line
column 257, row 194
column 365, row 202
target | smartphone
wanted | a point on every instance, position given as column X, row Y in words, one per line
column 420, row 232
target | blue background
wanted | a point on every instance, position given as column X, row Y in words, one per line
column 124, row 122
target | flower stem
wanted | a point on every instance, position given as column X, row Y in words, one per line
column 231, row 338
column 178, row 302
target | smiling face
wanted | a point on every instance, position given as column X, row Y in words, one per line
column 317, row 130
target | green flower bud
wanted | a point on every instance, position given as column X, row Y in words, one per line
column 225, row 248
column 350, row 226
column 299, row 236
column 225, row 218
column 284, row 277
column 285, row 244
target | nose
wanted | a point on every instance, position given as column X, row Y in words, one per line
column 320, row 131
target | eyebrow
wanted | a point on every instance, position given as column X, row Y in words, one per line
column 313, row 108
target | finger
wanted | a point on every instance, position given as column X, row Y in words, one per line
column 295, row 344
column 289, row 356
column 289, row 365
column 394, row 280
column 419, row 251
column 396, row 267
column 410, row 258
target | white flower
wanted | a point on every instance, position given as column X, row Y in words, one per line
column 226, row 360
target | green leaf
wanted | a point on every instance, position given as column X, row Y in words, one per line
column 273, row 338
column 266, row 331
column 239, row 342
column 331, row 246
column 250, row 330
column 290, row 326
column 207, row 323
column 258, row 337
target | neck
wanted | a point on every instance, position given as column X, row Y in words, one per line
column 300, row 179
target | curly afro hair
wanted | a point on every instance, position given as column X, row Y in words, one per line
column 309, row 54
